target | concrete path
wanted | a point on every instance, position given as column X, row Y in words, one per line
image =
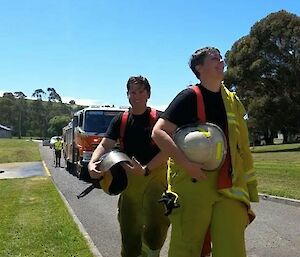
column 22, row 170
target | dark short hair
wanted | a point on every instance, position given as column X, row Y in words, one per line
column 198, row 58
column 140, row 80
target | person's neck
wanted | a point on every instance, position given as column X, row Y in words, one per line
column 211, row 85
column 138, row 110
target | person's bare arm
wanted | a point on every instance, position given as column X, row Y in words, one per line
column 105, row 146
column 162, row 134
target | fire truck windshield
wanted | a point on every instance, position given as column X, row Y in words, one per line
column 97, row 121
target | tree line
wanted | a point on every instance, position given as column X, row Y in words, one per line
column 263, row 67
column 36, row 118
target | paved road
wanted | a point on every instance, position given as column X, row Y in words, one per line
column 274, row 233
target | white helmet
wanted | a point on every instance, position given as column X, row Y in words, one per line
column 203, row 143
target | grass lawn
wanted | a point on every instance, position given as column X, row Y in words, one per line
column 18, row 150
column 33, row 218
column 278, row 169
column 35, row 222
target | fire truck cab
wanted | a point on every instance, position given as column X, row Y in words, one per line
column 83, row 134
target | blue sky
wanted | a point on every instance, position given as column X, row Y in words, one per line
column 87, row 49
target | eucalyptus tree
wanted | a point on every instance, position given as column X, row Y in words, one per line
column 264, row 67
column 38, row 93
column 9, row 95
column 38, row 113
column 53, row 95
column 21, row 106
column 57, row 123
column 7, row 107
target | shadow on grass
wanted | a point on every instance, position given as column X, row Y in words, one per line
column 276, row 150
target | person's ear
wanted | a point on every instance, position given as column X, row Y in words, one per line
column 199, row 69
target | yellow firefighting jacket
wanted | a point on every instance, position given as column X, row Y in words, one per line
column 244, row 183
column 58, row 145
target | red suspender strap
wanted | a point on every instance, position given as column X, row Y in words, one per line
column 206, row 248
column 122, row 128
column 200, row 104
column 224, row 180
column 153, row 117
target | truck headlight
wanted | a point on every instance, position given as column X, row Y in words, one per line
column 86, row 156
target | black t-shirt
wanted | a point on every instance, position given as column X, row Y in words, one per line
column 183, row 109
column 137, row 136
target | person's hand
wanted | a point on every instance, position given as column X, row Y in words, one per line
column 94, row 172
column 135, row 167
column 194, row 170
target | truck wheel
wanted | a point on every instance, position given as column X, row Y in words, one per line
column 68, row 165
column 83, row 172
column 78, row 170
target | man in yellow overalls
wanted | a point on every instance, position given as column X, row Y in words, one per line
column 218, row 200
column 58, row 145
column 143, row 224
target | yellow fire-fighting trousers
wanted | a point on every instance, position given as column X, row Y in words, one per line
column 202, row 206
column 141, row 216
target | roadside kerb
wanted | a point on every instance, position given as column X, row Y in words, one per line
column 279, row 199
column 90, row 242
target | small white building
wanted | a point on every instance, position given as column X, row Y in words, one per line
column 5, row 132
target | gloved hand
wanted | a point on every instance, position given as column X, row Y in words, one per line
column 170, row 201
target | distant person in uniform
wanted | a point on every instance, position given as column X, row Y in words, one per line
column 57, row 149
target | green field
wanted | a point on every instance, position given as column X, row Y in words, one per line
column 278, row 169
column 18, row 150
column 33, row 218
column 35, row 222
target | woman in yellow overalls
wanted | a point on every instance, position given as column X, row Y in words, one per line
column 217, row 200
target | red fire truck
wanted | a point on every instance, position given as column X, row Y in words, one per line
column 83, row 134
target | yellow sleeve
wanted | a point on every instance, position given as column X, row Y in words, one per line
column 246, row 154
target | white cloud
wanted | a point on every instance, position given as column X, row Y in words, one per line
column 1, row 93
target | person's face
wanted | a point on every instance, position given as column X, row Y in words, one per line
column 137, row 95
column 213, row 66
